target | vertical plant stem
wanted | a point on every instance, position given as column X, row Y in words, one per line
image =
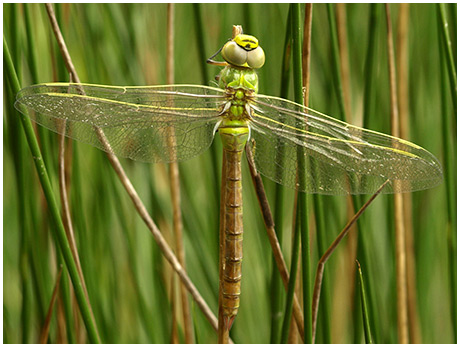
column 174, row 338
column 17, row 145
column 336, row 60
column 200, row 39
column 175, row 186
column 402, row 58
column 299, row 61
column 341, row 17
column 66, row 296
column 276, row 284
column 369, row 64
column 368, row 102
column 340, row 72
column 292, row 281
column 400, row 238
column 46, row 328
column 449, row 55
column 352, row 241
column 306, row 52
column 367, row 327
column 449, row 145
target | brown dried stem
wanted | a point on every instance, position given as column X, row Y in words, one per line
column 46, row 326
column 341, row 17
column 175, row 186
column 402, row 60
column 401, row 270
column 306, row 52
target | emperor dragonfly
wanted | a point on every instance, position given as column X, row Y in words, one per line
column 177, row 122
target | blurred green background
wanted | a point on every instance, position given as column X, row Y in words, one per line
column 128, row 280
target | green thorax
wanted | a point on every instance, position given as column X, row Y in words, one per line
column 240, row 85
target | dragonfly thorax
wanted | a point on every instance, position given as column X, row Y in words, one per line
column 237, row 107
column 240, row 86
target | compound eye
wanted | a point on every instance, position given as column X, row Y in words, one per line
column 234, row 54
column 256, row 58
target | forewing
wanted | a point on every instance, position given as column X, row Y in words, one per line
column 339, row 158
column 149, row 124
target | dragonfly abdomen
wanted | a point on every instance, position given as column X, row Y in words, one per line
column 233, row 140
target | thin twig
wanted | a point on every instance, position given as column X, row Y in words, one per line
column 61, row 43
column 270, row 227
column 46, row 326
column 401, row 270
column 328, row 253
column 141, row 209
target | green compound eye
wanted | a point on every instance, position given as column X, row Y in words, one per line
column 256, row 58
column 234, row 54
column 244, row 50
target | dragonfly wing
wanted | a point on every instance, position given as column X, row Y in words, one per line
column 149, row 124
column 339, row 158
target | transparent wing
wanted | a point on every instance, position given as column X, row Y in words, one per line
column 340, row 158
column 150, row 124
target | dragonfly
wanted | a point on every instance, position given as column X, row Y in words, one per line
column 171, row 123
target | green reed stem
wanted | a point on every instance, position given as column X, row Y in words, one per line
column 365, row 313
column 302, row 204
column 277, row 284
column 362, row 251
column 292, row 282
column 449, row 55
column 336, row 60
column 325, row 299
column 450, row 185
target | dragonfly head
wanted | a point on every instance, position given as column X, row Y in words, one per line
column 244, row 51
